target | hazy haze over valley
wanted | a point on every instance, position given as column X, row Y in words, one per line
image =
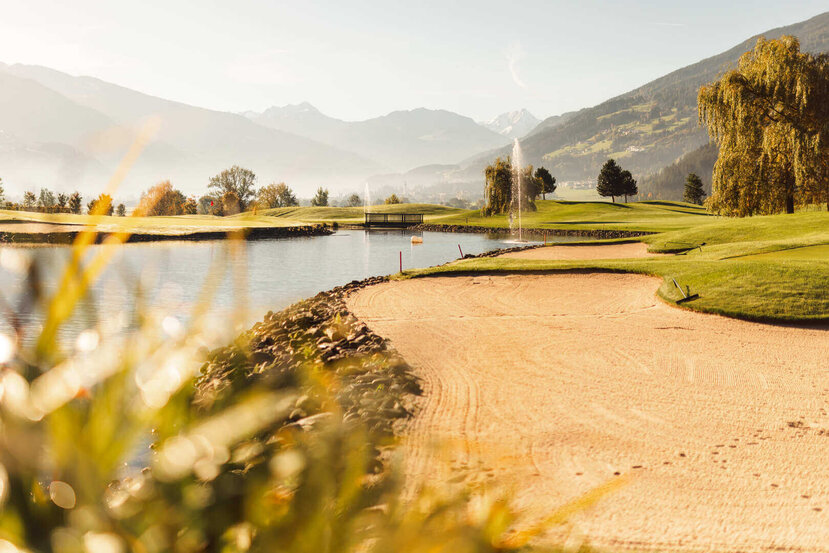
column 406, row 108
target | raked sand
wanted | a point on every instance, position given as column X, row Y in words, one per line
column 551, row 384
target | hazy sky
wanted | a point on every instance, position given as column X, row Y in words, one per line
column 358, row 59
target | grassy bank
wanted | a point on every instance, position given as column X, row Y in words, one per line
column 560, row 215
column 25, row 228
column 145, row 224
column 566, row 215
column 348, row 215
column 773, row 268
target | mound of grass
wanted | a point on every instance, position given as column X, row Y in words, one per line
column 348, row 215
column 571, row 215
column 145, row 224
column 551, row 214
column 773, row 268
column 802, row 228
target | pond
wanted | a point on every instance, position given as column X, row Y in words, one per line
column 257, row 276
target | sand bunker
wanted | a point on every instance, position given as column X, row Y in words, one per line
column 608, row 251
column 552, row 384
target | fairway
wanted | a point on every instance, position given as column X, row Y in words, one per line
column 803, row 253
column 349, row 215
column 151, row 224
column 566, row 215
column 770, row 268
column 551, row 214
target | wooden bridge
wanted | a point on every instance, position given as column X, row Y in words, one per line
column 393, row 219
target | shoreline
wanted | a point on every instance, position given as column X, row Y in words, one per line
column 67, row 238
column 601, row 234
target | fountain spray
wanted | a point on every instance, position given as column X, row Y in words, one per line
column 517, row 165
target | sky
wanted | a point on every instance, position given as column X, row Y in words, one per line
column 359, row 59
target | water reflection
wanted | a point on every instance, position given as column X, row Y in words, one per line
column 262, row 275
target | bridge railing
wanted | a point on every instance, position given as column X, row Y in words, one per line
column 394, row 218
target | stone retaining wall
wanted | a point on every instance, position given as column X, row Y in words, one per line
column 591, row 233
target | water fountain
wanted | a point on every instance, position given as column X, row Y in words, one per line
column 517, row 166
column 366, row 200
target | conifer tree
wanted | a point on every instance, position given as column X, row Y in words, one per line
column 75, row 202
column 694, row 194
column 321, row 197
column 628, row 186
column 610, row 180
column 547, row 181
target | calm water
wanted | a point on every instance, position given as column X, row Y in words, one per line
column 260, row 276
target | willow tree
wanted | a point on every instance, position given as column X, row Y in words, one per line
column 770, row 118
column 498, row 190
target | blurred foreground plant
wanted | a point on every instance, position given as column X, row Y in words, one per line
column 103, row 449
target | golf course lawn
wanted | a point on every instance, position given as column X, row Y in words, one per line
column 350, row 215
column 770, row 268
column 143, row 224
column 551, row 214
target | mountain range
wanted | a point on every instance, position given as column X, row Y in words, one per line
column 398, row 141
column 70, row 132
column 645, row 129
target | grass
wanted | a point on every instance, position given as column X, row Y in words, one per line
column 571, row 215
column 144, row 224
column 348, row 215
column 773, row 268
column 551, row 214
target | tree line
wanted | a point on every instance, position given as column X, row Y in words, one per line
column 229, row 192
column 47, row 201
column 500, row 192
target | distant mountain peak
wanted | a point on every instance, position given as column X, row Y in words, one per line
column 290, row 109
column 513, row 124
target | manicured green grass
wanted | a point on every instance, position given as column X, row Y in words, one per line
column 773, row 268
column 578, row 195
column 349, row 215
column 780, row 231
column 802, row 253
column 634, row 216
column 176, row 223
column 551, row 214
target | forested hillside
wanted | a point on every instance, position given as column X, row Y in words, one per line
column 669, row 183
column 645, row 129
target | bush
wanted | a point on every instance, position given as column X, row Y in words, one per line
column 161, row 199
